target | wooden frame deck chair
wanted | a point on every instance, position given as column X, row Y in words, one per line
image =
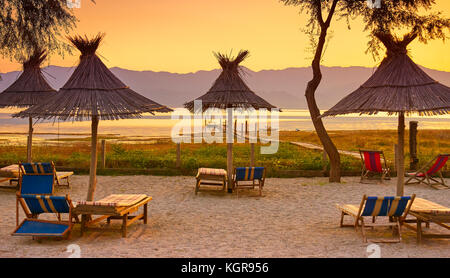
column 47, row 168
column 426, row 173
column 37, row 183
column 33, row 184
column 243, row 175
column 211, row 176
column 395, row 208
column 374, row 162
column 428, row 212
column 113, row 207
column 35, row 205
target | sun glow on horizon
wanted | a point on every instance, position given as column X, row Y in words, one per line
column 180, row 36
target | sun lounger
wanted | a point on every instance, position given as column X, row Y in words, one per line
column 373, row 162
column 426, row 173
column 36, row 184
column 33, row 184
column 249, row 177
column 35, row 205
column 211, row 176
column 10, row 173
column 47, row 167
column 395, row 208
column 428, row 212
column 116, row 206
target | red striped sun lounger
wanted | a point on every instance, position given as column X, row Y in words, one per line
column 427, row 174
column 374, row 164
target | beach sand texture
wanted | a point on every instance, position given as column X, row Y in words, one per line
column 294, row 218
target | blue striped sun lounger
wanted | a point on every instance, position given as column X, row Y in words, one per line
column 45, row 168
column 394, row 208
column 34, row 205
column 243, row 175
column 36, row 184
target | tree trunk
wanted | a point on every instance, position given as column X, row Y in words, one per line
column 93, row 169
column 330, row 148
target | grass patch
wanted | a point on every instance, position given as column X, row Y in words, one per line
column 159, row 157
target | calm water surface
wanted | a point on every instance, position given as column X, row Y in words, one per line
column 160, row 125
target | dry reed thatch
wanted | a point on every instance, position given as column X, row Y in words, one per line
column 31, row 87
column 229, row 90
column 93, row 90
column 398, row 85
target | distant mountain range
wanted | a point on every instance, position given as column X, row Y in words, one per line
column 282, row 88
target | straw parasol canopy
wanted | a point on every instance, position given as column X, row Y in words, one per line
column 29, row 89
column 230, row 91
column 93, row 92
column 400, row 87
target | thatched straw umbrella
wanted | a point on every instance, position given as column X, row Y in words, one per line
column 93, row 92
column 29, row 89
column 400, row 87
column 227, row 92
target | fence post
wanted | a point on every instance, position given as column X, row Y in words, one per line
column 178, row 164
column 103, row 153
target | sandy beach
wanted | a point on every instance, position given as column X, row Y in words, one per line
column 294, row 218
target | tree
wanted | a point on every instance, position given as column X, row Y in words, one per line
column 390, row 17
column 26, row 25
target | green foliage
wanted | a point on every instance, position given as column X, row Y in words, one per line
column 160, row 158
column 28, row 24
column 392, row 17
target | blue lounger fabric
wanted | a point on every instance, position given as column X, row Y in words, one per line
column 46, row 204
column 385, row 206
column 249, row 173
column 38, row 168
column 36, row 228
column 37, row 184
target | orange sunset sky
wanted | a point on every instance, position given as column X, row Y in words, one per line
column 180, row 36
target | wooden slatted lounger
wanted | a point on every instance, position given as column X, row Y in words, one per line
column 47, row 167
column 396, row 208
column 116, row 206
column 428, row 212
column 12, row 172
column 211, row 176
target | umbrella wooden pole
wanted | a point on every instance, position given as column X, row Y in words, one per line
column 230, row 139
column 252, row 154
column 93, row 169
column 29, row 139
column 401, row 155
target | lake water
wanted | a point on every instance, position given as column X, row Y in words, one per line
column 160, row 125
